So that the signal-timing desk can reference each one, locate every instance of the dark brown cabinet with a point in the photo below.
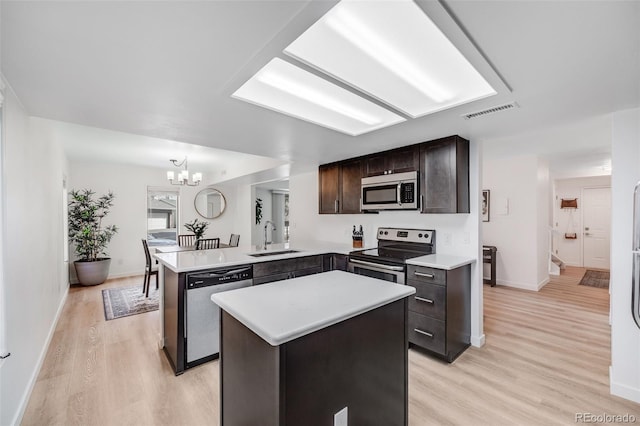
(329, 188)
(339, 187)
(440, 310)
(335, 262)
(277, 270)
(399, 160)
(444, 175)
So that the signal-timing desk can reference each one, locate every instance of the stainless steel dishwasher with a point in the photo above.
(202, 316)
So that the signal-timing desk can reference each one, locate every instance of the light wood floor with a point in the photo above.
(546, 359)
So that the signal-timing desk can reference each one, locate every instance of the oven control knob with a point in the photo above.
(380, 232)
(419, 235)
(386, 233)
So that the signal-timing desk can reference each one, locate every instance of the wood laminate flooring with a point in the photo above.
(546, 358)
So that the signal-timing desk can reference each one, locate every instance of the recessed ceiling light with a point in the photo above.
(283, 87)
(392, 51)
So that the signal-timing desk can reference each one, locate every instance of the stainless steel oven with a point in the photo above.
(397, 191)
(395, 246)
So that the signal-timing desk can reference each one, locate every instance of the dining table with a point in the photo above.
(177, 248)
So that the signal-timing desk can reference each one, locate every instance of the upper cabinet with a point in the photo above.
(405, 159)
(339, 190)
(444, 175)
(329, 188)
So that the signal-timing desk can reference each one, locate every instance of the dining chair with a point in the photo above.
(148, 270)
(207, 243)
(186, 240)
(234, 240)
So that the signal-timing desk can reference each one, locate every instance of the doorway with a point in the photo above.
(596, 221)
(271, 201)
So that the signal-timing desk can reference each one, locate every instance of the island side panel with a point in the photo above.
(173, 315)
(458, 311)
(360, 363)
(250, 377)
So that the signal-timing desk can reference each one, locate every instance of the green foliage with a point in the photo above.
(198, 228)
(85, 224)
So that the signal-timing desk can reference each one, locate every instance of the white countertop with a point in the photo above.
(286, 310)
(194, 260)
(441, 261)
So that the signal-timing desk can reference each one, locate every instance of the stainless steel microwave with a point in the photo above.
(396, 191)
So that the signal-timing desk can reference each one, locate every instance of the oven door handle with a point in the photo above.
(377, 265)
(399, 194)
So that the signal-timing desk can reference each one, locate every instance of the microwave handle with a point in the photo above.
(399, 194)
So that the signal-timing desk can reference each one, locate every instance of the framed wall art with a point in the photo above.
(485, 205)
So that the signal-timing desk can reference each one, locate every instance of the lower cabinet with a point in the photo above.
(440, 310)
(277, 270)
(335, 262)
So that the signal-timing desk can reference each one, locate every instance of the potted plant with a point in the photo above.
(197, 227)
(88, 235)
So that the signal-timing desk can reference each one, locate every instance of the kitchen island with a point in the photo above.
(314, 350)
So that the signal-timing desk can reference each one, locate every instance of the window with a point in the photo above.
(162, 217)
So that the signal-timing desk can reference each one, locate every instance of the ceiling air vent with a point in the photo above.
(491, 110)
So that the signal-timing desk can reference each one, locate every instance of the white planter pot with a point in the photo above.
(92, 273)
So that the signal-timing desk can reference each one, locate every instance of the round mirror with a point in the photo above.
(210, 203)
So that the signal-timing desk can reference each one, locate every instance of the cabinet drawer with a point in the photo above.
(426, 275)
(429, 299)
(427, 332)
(287, 265)
(304, 272)
(271, 278)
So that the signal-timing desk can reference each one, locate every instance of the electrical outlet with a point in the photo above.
(341, 418)
(466, 237)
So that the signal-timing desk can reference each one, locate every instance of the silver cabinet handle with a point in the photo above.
(376, 265)
(421, 198)
(422, 299)
(421, 274)
(426, 333)
(335, 206)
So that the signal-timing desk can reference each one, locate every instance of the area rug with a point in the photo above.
(598, 279)
(125, 301)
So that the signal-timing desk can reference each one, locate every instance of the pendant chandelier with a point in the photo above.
(183, 175)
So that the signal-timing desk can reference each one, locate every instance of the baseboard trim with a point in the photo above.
(624, 391)
(522, 286)
(478, 341)
(113, 277)
(543, 283)
(34, 376)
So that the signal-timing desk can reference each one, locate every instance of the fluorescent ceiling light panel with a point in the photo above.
(283, 87)
(392, 51)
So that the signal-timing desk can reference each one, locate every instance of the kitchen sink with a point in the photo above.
(273, 253)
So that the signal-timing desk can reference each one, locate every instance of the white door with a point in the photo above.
(596, 221)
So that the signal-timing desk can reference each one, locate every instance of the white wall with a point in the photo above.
(34, 272)
(519, 217)
(625, 335)
(543, 221)
(129, 184)
(570, 251)
(456, 234)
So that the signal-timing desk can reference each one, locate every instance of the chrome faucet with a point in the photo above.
(273, 228)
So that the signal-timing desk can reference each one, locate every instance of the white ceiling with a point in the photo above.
(167, 69)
